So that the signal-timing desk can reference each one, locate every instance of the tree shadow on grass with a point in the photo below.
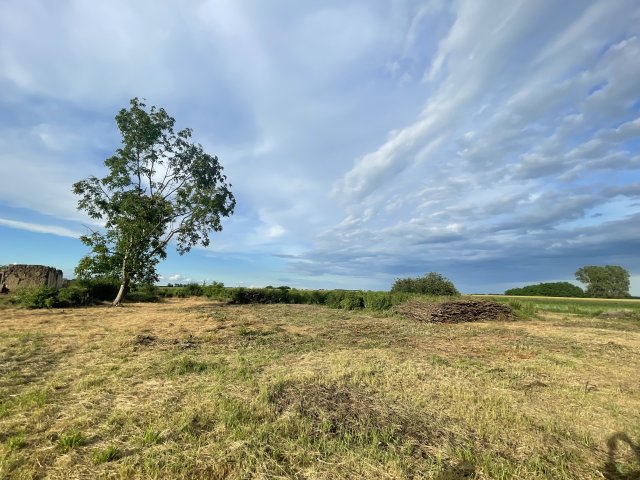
(612, 469)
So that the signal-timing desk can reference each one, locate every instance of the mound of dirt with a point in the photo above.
(455, 311)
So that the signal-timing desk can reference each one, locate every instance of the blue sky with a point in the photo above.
(496, 142)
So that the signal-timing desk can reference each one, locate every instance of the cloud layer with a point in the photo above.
(497, 142)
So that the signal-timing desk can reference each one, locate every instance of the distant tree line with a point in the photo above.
(609, 281)
(553, 289)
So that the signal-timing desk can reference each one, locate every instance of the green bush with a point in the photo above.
(377, 301)
(73, 296)
(42, 297)
(100, 289)
(352, 301)
(193, 290)
(553, 289)
(215, 291)
(431, 284)
(143, 293)
(242, 295)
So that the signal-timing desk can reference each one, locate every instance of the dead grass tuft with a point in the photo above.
(341, 410)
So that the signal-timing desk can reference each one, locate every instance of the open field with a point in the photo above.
(590, 307)
(190, 388)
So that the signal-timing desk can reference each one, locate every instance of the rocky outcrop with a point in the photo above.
(16, 277)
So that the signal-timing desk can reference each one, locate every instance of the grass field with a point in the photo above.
(189, 388)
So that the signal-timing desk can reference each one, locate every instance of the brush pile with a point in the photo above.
(455, 311)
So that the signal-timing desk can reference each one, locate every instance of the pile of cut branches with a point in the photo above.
(455, 311)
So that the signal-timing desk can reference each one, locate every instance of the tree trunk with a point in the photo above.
(124, 286)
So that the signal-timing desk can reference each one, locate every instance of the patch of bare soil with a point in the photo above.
(455, 311)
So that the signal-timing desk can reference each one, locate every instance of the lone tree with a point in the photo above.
(431, 284)
(160, 186)
(610, 281)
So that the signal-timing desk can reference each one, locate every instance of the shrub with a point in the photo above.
(377, 301)
(431, 284)
(242, 295)
(42, 297)
(100, 289)
(553, 289)
(193, 290)
(144, 293)
(352, 301)
(73, 296)
(344, 299)
(215, 291)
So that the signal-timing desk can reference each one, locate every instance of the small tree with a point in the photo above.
(431, 284)
(159, 186)
(610, 281)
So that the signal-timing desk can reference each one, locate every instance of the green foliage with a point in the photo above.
(343, 299)
(551, 289)
(107, 454)
(352, 301)
(73, 296)
(100, 288)
(431, 284)
(215, 291)
(70, 440)
(610, 281)
(144, 293)
(42, 297)
(159, 186)
(186, 365)
(191, 290)
(243, 295)
(151, 436)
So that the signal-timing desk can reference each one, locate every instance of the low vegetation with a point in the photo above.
(552, 289)
(431, 284)
(194, 388)
(88, 292)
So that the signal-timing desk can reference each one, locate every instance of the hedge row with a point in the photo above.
(345, 299)
(83, 293)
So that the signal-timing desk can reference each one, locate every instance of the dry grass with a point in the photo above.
(194, 389)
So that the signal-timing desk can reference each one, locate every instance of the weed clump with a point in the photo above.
(107, 454)
(70, 440)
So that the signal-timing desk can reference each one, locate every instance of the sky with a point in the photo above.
(496, 142)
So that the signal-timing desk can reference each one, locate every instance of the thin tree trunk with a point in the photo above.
(124, 285)
(121, 292)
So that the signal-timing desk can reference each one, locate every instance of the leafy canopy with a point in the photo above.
(609, 281)
(159, 186)
(431, 284)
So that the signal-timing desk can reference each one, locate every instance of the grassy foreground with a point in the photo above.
(193, 389)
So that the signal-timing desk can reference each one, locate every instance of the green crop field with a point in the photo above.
(191, 388)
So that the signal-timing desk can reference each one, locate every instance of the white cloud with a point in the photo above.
(179, 278)
(34, 227)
